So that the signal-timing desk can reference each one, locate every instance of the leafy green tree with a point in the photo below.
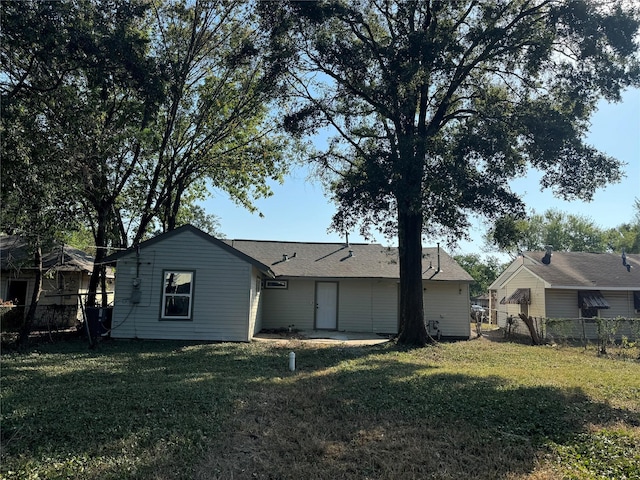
(626, 236)
(214, 123)
(81, 69)
(38, 192)
(192, 213)
(484, 272)
(562, 231)
(141, 101)
(36, 195)
(436, 105)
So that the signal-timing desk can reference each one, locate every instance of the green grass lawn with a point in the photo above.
(165, 410)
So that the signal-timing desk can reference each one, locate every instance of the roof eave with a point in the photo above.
(628, 288)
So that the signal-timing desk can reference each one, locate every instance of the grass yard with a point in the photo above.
(172, 410)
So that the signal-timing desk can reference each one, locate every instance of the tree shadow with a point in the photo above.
(235, 408)
(409, 422)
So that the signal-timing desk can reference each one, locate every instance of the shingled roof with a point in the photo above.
(338, 260)
(585, 270)
(14, 256)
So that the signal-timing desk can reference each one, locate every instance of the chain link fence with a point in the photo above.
(620, 332)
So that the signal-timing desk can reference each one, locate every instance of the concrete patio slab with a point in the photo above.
(327, 337)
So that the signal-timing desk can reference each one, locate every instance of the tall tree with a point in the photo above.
(81, 69)
(145, 99)
(214, 123)
(437, 104)
(36, 194)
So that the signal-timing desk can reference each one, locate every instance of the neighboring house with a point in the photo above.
(66, 275)
(482, 300)
(185, 284)
(567, 285)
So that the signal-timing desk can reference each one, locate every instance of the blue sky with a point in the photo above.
(300, 211)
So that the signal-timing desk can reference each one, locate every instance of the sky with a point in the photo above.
(299, 210)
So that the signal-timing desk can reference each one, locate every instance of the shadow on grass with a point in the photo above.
(185, 410)
(399, 420)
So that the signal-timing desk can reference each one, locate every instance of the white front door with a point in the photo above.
(327, 305)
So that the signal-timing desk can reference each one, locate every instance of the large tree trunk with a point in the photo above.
(413, 330)
(101, 244)
(25, 330)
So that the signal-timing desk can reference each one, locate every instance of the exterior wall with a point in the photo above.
(220, 309)
(294, 305)
(385, 300)
(364, 305)
(537, 307)
(368, 305)
(564, 304)
(448, 304)
(255, 299)
(621, 304)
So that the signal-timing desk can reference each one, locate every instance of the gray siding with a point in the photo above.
(563, 304)
(384, 300)
(220, 295)
(621, 304)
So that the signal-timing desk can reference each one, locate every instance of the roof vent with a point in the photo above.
(624, 261)
(548, 253)
(350, 253)
(285, 257)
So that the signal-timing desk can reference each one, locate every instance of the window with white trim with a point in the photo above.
(177, 295)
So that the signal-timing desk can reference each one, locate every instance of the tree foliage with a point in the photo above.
(627, 235)
(483, 271)
(436, 105)
(143, 103)
(214, 123)
(564, 232)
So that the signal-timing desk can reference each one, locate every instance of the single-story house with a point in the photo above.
(66, 275)
(186, 284)
(567, 285)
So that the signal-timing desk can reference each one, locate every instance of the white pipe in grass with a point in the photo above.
(292, 361)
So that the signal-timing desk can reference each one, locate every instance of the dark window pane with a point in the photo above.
(176, 306)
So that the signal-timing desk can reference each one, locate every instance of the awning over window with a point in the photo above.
(636, 300)
(592, 299)
(521, 295)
